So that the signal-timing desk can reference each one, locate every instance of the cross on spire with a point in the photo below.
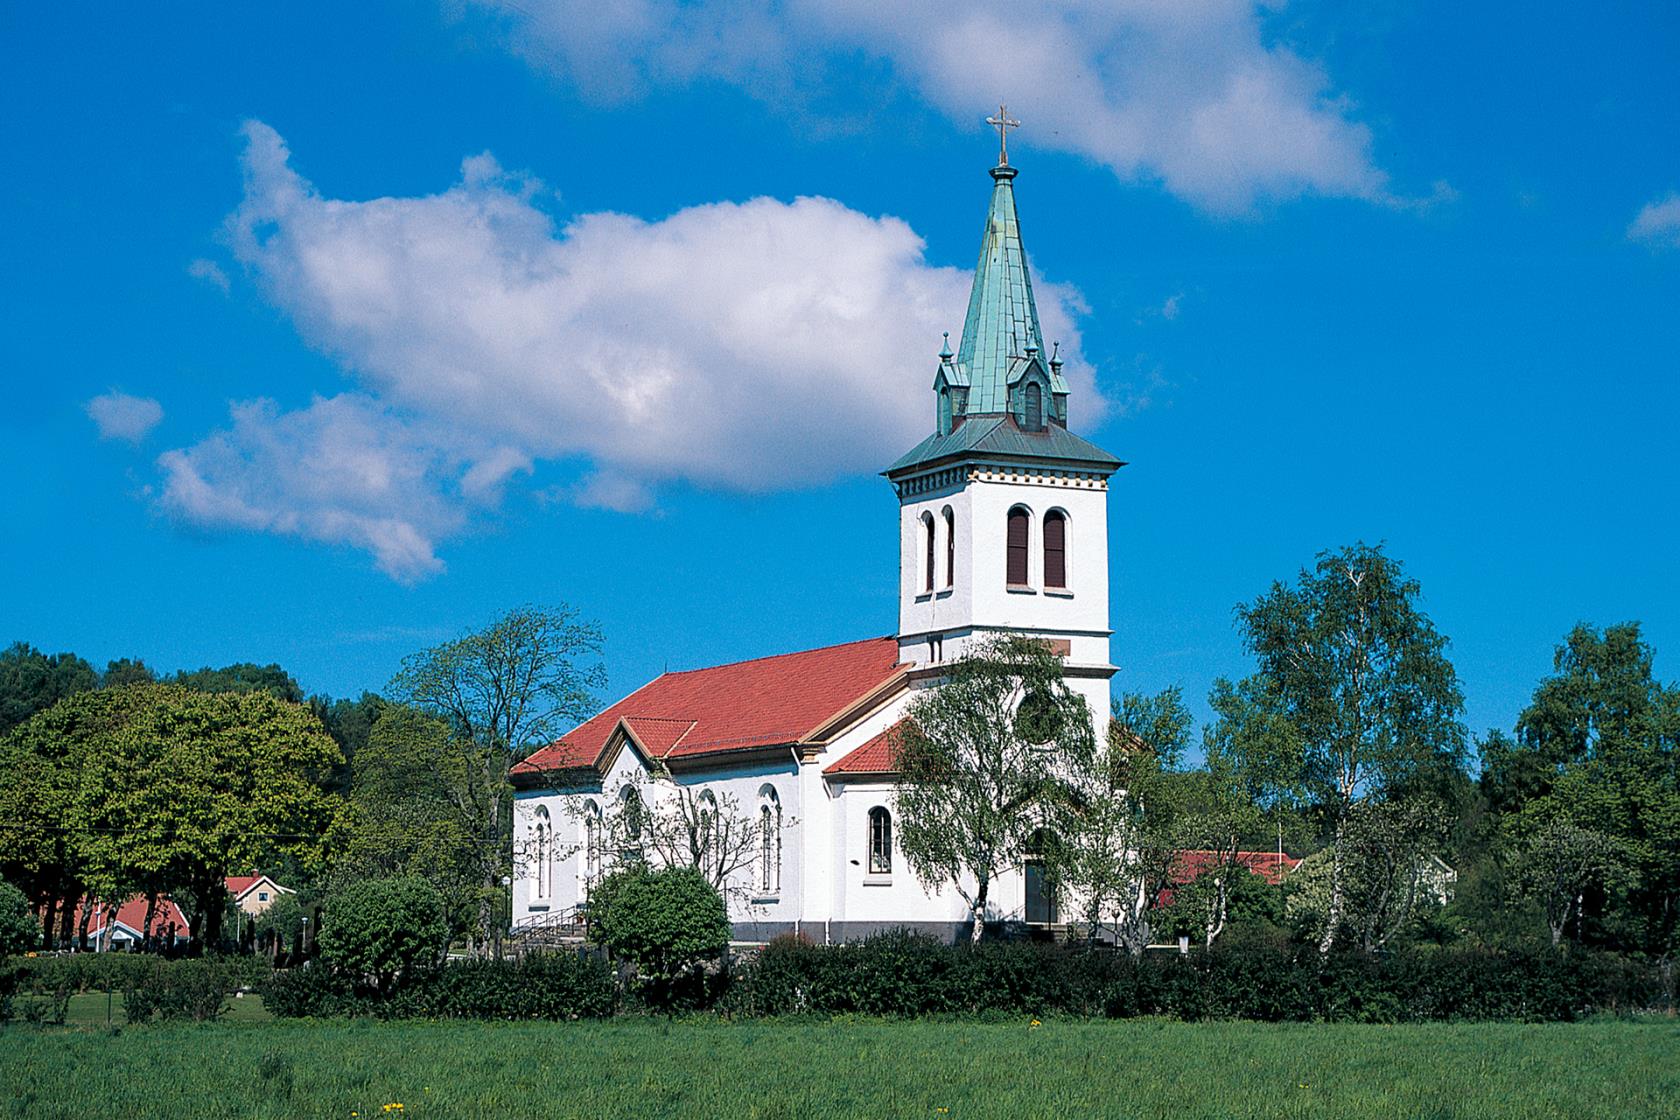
(1002, 122)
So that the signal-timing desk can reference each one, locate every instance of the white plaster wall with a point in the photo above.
(980, 599)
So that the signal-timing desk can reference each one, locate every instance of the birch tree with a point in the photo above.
(1360, 675)
(981, 760)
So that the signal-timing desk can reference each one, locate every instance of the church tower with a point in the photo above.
(1003, 512)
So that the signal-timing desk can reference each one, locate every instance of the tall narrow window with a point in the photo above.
(927, 552)
(950, 548)
(1055, 549)
(1035, 407)
(880, 841)
(542, 838)
(1017, 567)
(591, 843)
(769, 840)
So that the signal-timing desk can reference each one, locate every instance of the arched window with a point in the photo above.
(1035, 407)
(542, 842)
(880, 841)
(927, 552)
(1017, 564)
(1055, 549)
(950, 548)
(591, 842)
(632, 816)
(769, 841)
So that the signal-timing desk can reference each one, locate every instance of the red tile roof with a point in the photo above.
(769, 701)
(873, 757)
(132, 914)
(239, 884)
(1193, 863)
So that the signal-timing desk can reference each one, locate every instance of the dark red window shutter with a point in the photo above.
(1055, 550)
(1017, 569)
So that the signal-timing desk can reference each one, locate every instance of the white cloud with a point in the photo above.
(749, 346)
(120, 416)
(344, 470)
(210, 272)
(1658, 223)
(1190, 93)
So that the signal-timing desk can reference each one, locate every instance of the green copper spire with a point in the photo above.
(1002, 322)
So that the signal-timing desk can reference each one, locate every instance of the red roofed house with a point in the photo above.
(254, 893)
(1003, 527)
(127, 927)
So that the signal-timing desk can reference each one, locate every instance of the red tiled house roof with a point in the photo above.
(776, 701)
(1191, 864)
(132, 913)
(873, 757)
(239, 884)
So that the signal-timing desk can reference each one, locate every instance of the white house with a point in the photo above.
(1003, 527)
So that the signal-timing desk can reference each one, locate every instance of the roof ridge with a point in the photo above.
(774, 656)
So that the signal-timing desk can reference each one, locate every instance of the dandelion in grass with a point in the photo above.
(1035, 1023)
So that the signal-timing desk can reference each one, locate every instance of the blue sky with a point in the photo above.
(332, 330)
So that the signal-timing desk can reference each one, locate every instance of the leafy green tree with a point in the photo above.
(384, 931)
(503, 690)
(243, 676)
(125, 671)
(1120, 821)
(667, 921)
(280, 924)
(410, 812)
(31, 681)
(1597, 748)
(982, 760)
(18, 931)
(350, 723)
(179, 788)
(1559, 863)
(1354, 697)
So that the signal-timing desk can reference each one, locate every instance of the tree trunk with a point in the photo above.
(1333, 919)
(49, 923)
(67, 918)
(151, 915)
(977, 915)
(82, 928)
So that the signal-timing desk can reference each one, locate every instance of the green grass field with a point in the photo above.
(940, 1070)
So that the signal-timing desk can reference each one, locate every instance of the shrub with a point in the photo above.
(380, 931)
(18, 929)
(547, 986)
(171, 990)
(116, 972)
(905, 974)
(665, 922)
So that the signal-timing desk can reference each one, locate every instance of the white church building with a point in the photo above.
(1003, 527)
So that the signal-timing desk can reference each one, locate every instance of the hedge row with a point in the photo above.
(905, 975)
(117, 972)
(549, 986)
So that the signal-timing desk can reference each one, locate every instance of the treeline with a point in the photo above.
(127, 783)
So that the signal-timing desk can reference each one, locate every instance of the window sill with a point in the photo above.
(1020, 589)
(766, 900)
(878, 881)
(1059, 592)
(537, 906)
(945, 594)
(924, 596)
